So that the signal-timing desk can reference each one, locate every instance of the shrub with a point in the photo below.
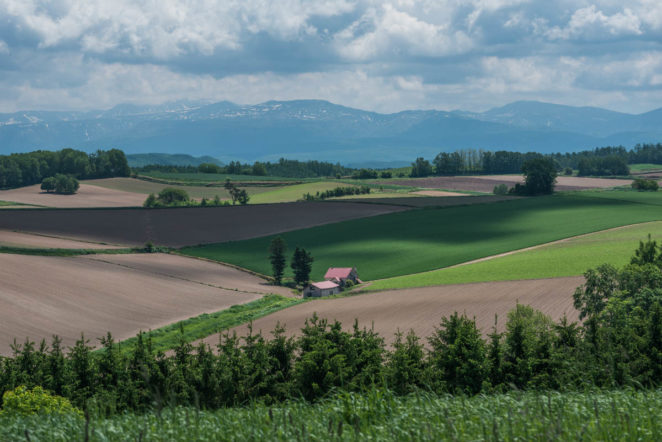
(643, 184)
(150, 201)
(567, 171)
(209, 168)
(66, 184)
(170, 196)
(21, 401)
(48, 184)
(500, 189)
(386, 174)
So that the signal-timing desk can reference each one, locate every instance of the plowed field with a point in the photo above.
(185, 226)
(42, 296)
(87, 196)
(27, 240)
(421, 309)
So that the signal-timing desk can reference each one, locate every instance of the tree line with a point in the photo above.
(24, 169)
(618, 344)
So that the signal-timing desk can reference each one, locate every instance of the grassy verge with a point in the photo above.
(67, 252)
(567, 258)
(168, 337)
(422, 240)
(376, 415)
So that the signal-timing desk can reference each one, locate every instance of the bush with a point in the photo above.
(500, 189)
(48, 184)
(567, 171)
(385, 174)
(172, 196)
(21, 401)
(642, 184)
(65, 184)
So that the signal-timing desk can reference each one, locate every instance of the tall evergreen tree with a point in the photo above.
(302, 264)
(277, 258)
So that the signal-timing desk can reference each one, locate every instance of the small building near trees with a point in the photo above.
(340, 275)
(319, 289)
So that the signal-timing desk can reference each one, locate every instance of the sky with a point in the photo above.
(384, 56)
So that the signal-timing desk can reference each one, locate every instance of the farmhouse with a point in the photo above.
(340, 275)
(324, 288)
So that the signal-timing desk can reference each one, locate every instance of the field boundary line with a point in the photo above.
(500, 255)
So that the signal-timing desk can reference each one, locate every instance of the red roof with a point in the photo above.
(338, 272)
(324, 285)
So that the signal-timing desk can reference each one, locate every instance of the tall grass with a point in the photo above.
(377, 415)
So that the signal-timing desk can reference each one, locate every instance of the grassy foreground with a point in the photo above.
(567, 258)
(377, 415)
(421, 240)
(168, 337)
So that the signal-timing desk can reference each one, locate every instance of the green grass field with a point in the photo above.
(421, 240)
(168, 337)
(292, 193)
(567, 258)
(644, 167)
(376, 415)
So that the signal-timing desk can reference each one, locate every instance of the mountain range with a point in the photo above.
(315, 129)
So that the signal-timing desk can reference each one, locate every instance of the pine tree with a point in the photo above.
(277, 250)
(302, 263)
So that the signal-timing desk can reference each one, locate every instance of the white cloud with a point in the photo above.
(590, 23)
(4, 49)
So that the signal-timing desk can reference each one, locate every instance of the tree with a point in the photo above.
(302, 263)
(420, 168)
(66, 184)
(171, 195)
(48, 184)
(237, 194)
(277, 250)
(539, 175)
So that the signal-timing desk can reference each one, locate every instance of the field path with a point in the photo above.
(41, 296)
(421, 309)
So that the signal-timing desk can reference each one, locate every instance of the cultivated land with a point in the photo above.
(563, 258)
(28, 240)
(432, 201)
(99, 294)
(421, 309)
(294, 192)
(420, 240)
(87, 196)
(486, 183)
(144, 188)
(186, 226)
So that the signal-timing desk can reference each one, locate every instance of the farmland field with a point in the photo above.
(421, 309)
(421, 240)
(565, 258)
(87, 196)
(292, 193)
(377, 415)
(122, 295)
(27, 240)
(486, 183)
(216, 177)
(179, 227)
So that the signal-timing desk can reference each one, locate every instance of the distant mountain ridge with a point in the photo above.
(317, 129)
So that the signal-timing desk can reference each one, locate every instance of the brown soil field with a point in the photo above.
(74, 295)
(421, 309)
(87, 196)
(29, 240)
(146, 187)
(192, 269)
(185, 226)
(442, 201)
(486, 183)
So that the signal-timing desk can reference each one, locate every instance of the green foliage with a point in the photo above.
(301, 264)
(237, 194)
(643, 184)
(277, 249)
(209, 168)
(539, 176)
(386, 174)
(48, 184)
(500, 189)
(337, 192)
(433, 238)
(150, 201)
(22, 401)
(603, 166)
(24, 169)
(365, 174)
(420, 168)
(172, 196)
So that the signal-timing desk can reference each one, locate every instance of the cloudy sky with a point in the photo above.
(378, 55)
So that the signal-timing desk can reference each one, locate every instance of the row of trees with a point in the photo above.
(337, 192)
(619, 343)
(301, 264)
(24, 169)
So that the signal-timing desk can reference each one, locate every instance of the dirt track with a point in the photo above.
(87, 196)
(186, 226)
(27, 240)
(486, 183)
(84, 294)
(421, 309)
